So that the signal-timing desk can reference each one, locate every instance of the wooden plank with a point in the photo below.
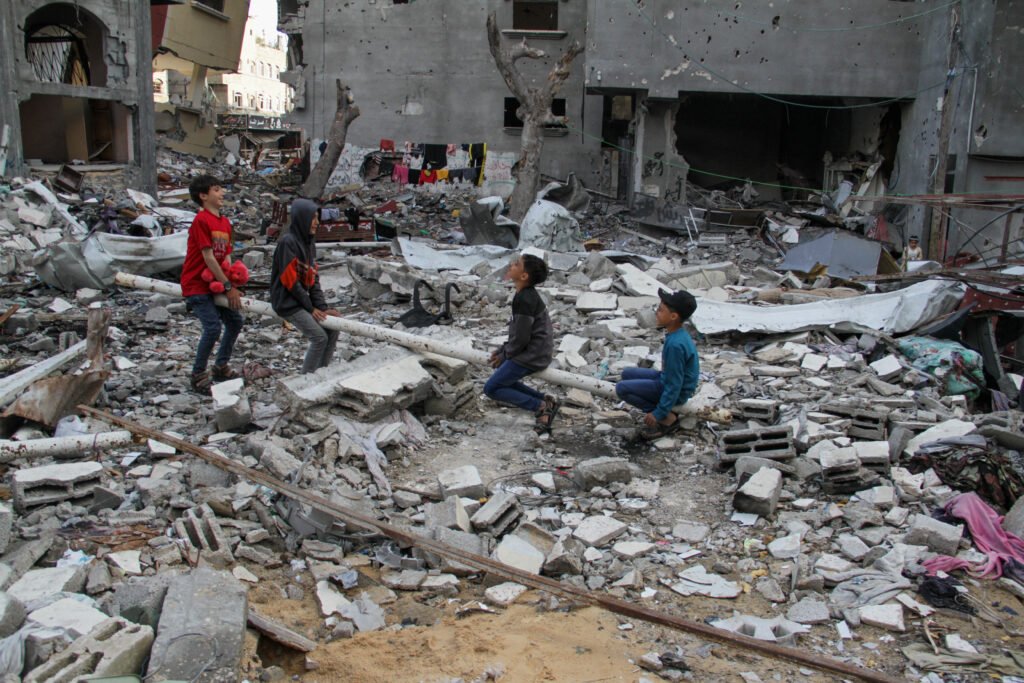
(280, 633)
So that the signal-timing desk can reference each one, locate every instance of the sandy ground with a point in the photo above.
(530, 642)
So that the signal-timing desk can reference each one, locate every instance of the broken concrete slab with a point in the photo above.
(597, 530)
(697, 580)
(504, 594)
(601, 472)
(231, 405)
(888, 616)
(114, 647)
(12, 614)
(462, 481)
(42, 583)
(76, 618)
(938, 536)
(943, 430)
(518, 553)
(204, 601)
(760, 495)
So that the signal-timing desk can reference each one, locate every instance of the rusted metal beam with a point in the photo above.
(486, 564)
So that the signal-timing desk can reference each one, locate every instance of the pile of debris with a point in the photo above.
(812, 515)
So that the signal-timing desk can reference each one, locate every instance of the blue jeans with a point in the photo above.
(504, 386)
(640, 387)
(214, 318)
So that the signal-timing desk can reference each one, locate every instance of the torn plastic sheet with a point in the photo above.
(94, 261)
(550, 226)
(423, 256)
(893, 312)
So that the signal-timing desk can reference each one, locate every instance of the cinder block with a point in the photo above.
(497, 514)
(763, 410)
(50, 484)
(203, 537)
(866, 423)
(773, 443)
(212, 603)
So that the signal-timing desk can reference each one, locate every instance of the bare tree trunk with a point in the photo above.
(534, 109)
(346, 113)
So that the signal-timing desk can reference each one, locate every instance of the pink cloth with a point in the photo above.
(400, 174)
(989, 537)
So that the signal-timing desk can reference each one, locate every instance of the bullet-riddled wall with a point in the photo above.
(422, 72)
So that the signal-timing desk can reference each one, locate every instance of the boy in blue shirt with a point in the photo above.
(654, 392)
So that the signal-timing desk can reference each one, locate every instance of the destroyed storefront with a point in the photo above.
(78, 79)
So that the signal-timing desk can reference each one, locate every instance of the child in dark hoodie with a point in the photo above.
(295, 292)
(529, 348)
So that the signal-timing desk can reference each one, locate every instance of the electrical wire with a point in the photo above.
(862, 27)
(780, 100)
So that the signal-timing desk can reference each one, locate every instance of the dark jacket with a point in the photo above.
(294, 282)
(531, 340)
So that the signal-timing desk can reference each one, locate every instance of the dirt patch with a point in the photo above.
(525, 644)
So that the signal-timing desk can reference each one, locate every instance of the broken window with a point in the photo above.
(512, 105)
(65, 44)
(537, 15)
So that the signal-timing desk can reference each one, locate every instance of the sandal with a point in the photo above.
(548, 409)
(660, 430)
(221, 373)
(200, 383)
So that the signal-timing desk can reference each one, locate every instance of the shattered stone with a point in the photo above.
(601, 472)
(809, 611)
(597, 530)
(504, 594)
(938, 536)
(760, 495)
(462, 481)
(888, 616)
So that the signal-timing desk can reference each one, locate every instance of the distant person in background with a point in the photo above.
(911, 253)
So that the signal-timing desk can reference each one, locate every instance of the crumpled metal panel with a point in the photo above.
(843, 253)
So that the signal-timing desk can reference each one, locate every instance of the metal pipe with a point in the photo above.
(491, 566)
(418, 343)
(62, 446)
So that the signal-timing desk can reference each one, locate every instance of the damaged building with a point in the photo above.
(193, 42)
(675, 95)
(76, 78)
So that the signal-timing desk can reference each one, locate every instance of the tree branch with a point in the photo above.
(505, 62)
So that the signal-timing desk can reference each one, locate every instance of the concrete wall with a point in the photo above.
(422, 72)
(118, 35)
(670, 46)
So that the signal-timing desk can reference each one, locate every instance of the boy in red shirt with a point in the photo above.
(209, 244)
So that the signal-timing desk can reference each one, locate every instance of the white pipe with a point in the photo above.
(62, 446)
(414, 342)
(13, 385)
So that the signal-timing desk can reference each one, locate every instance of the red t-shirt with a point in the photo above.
(207, 232)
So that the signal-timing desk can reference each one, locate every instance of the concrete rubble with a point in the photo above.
(823, 468)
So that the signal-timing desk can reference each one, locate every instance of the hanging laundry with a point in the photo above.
(400, 174)
(450, 150)
(435, 156)
(442, 175)
(414, 176)
(387, 145)
(427, 177)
